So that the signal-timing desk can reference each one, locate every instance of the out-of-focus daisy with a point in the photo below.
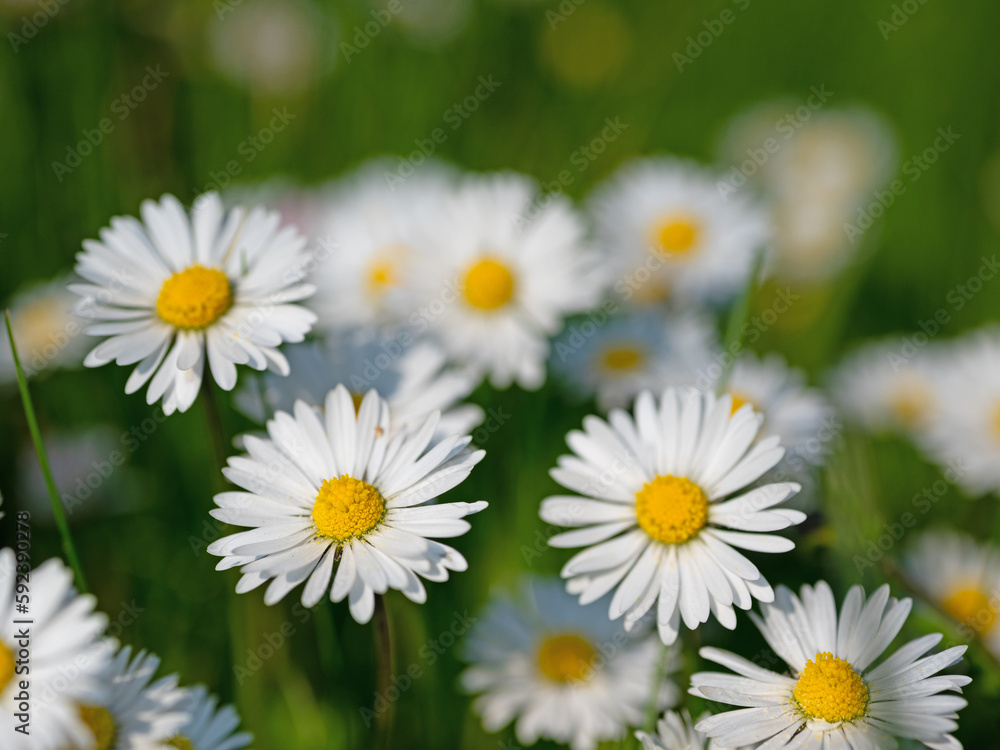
(171, 288)
(561, 671)
(208, 727)
(834, 697)
(428, 22)
(668, 232)
(962, 577)
(965, 429)
(675, 731)
(634, 352)
(502, 266)
(415, 381)
(655, 517)
(136, 713)
(47, 333)
(341, 491)
(881, 390)
(366, 227)
(63, 632)
(588, 46)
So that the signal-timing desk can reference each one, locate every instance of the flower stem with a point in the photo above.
(43, 460)
(383, 651)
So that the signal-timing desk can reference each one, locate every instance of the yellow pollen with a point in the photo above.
(6, 666)
(194, 298)
(622, 358)
(381, 274)
(739, 400)
(671, 509)
(489, 285)
(677, 235)
(972, 608)
(102, 724)
(181, 743)
(566, 658)
(909, 403)
(831, 690)
(996, 421)
(357, 398)
(347, 508)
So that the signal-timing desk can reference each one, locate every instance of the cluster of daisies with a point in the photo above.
(373, 307)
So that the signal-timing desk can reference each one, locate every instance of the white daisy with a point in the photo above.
(675, 731)
(561, 671)
(171, 287)
(63, 654)
(962, 577)
(47, 333)
(657, 509)
(208, 727)
(366, 225)
(136, 713)
(882, 389)
(415, 381)
(502, 266)
(835, 698)
(634, 352)
(667, 231)
(342, 489)
(965, 429)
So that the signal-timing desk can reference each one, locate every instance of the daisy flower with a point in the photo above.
(634, 352)
(675, 731)
(415, 381)
(136, 713)
(965, 430)
(172, 287)
(47, 333)
(560, 671)
(368, 224)
(879, 389)
(208, 727)
(834, 698)
(660, 514)
(502, 268)
(63, 632)
(668, 232)
(962, 577)
(338, 490)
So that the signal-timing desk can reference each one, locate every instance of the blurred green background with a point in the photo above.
(562, 70)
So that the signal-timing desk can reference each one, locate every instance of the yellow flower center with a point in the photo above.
(381, 275)
(972, 608)
(671, 509)
(831, 690)
(622, 358)
(6, 666)
(34, 322)
(909, 403)
(181, 743)
(346, 508)
(996, 421)
(194, 298)
(566, 658)
(102, 724)
(739, 400)
(489, 285)
(357, 398)
(677, 235)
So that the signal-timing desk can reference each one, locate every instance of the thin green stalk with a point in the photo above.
(43, 460)
(653, 707)
(737, 322)
(383, 651)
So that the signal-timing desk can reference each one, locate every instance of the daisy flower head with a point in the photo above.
(64, 632)
(206, 726)
(619, 357)
(882, 390)
(965, 430)
(675, 731)
(962, 577)
(560, 671)
(47, 333)
(415, 380)
(834, 696)
(172, 288)
(336, 489)
(660, 509)
(501, 268)
(368, 223)
(668, 232)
